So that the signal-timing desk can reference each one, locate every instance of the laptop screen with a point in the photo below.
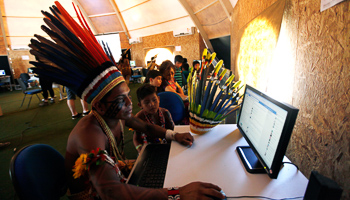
(2, 72)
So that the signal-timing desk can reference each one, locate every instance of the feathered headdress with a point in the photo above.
(74, 58)
(205, 110)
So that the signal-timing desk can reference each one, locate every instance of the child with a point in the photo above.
(151, 113)
(154, 78)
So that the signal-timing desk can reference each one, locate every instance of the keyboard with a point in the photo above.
(151, 168)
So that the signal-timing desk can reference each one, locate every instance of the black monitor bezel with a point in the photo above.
(287, 130)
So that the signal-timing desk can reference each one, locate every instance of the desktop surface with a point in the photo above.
(213, 158)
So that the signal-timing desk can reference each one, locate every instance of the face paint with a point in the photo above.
(115, 107)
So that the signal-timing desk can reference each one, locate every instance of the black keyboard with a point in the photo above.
(150, 170)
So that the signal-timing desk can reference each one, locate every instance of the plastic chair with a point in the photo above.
(173, 102)
(26, 78)
(136, 76)
(37, 172)
(29, 92)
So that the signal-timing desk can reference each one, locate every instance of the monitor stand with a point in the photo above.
(249, 160)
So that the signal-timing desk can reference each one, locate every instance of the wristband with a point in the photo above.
(138, 146)
(173, 193)
(170, 135)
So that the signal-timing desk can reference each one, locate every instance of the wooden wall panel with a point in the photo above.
(321, 44)
(322, 141)
(124, 42)
(2, 46)
(18, 65)
(190, 46)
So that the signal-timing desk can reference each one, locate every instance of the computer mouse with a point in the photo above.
(223, 193)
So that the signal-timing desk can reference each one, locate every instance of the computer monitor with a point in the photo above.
(30, 71)
(267, 125)
(132, 63)
(2, 72)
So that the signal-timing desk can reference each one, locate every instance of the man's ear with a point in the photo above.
(100, 107)
(139, 104)
(150, 80)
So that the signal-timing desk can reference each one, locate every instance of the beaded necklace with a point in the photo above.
(111, 139)
(149, 120)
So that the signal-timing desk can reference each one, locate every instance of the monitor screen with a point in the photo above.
(267, 125)
(132, 63)
(2, 72)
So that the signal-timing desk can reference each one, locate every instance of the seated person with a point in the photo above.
(95, 162)
(102, 131)
(167, 69)
(154, 78)
(151, 113)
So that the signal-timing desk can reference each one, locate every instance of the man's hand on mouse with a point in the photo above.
(200, 191)
(185, 139)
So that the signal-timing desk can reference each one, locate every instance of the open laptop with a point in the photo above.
(150, 167)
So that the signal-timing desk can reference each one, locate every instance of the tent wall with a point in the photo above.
(320, 58)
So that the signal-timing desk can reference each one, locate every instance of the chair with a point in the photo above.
(29, 92)
(136, 76)
(173, 102)
(37, 172)
(144, 71)
(25, 78)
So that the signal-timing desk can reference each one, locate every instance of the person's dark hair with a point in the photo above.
(178, 58)
(145, 90)
(166, 65)
(185, 66)
(184, 61)
(152, 74)
(195, 62)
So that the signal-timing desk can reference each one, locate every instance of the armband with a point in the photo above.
(83, 163)
(173, 193)
(170, 135)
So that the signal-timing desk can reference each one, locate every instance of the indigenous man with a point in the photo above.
(94, 163)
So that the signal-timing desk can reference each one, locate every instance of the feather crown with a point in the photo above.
(73, 57)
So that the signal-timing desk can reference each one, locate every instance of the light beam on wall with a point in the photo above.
(257, 45)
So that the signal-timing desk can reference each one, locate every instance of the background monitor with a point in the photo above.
(2, 72)
(132, 63)
(267, 125)
(30, 71)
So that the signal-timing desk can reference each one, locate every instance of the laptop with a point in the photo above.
(150, 167)
(2, 72)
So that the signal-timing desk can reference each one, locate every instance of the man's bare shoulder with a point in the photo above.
(86, 136)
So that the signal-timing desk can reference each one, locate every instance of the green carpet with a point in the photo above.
(47, 125)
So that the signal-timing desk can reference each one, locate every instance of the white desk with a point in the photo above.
(213, 158)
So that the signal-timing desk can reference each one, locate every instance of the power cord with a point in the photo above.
(261, 197)
(291, 164)
(30, 127)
